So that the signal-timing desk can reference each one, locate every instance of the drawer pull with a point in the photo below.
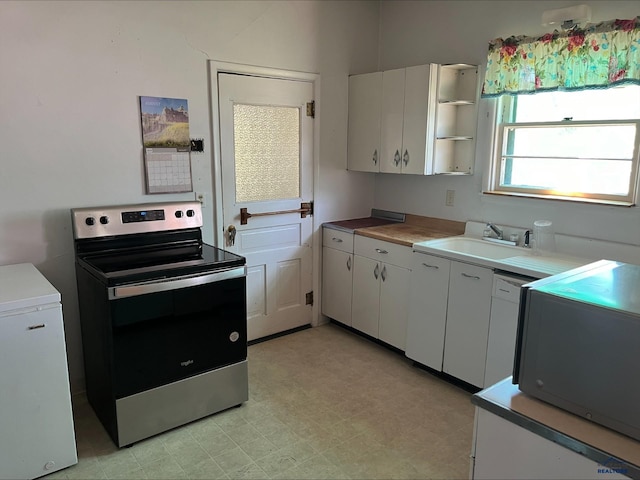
(474, 277)
(431, 266)
(383, 252)
(35, 327)
(338, 240)
(505, 291)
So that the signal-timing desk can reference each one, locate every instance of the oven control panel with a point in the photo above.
(131, 219)
(143, 216)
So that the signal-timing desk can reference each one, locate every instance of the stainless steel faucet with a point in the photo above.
(496, 230)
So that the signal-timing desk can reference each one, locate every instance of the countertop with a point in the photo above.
(594, 441)
(358, 223)
(416, 232)
(414, 229)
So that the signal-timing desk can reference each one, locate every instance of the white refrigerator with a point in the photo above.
(36, 421)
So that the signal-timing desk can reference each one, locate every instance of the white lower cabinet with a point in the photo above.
(337, 275)
(529, 455)
(428, 309)
(365, 313)
(381, 280)
(468, 314)
(394, 305)
(503, 328)
(449, 312)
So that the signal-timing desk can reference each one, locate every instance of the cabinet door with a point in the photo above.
(337, 280)
(394, 305)
(530, 454)
(392, 120)
(503, 329)
(428, 309)
(366, 295)
(365, 94)
(468, 311)
(418, 124)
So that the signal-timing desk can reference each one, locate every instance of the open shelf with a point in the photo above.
(456, 119)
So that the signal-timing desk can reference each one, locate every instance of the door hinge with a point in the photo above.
(309, 298)
(311, 109)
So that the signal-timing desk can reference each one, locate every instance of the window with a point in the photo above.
(267, 152)
(579, 145)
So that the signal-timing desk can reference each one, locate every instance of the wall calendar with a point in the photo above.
(167, 149)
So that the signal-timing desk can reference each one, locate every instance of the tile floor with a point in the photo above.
(324, 404)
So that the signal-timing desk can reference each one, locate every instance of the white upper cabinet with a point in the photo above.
(418, 127)
(418, 120)
(365, 96)
(407, 119)
(392, 119)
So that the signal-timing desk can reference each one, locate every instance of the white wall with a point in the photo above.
(414, 33)
(70, 77)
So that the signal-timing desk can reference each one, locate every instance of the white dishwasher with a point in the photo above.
(503, 326)
(36, 421)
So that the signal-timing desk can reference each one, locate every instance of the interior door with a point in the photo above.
(267, 168)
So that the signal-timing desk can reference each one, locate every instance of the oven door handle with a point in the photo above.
(174, 283)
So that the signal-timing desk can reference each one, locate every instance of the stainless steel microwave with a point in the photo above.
(578, 345)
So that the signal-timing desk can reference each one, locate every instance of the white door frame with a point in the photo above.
(216, 67)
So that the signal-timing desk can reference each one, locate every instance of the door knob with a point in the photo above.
(231, 235)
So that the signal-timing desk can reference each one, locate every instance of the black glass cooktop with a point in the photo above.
(166, 261)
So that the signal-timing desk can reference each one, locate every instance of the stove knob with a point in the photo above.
(104, 220)
(179, 214)
(190, 213)
(90, 221)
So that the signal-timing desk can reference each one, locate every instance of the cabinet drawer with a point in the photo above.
(337, 239)
(430, 263)
(387, 252)
(505, 289)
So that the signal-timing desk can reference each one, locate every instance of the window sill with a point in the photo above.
(560, 198)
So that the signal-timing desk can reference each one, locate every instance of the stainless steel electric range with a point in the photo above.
(163, 318)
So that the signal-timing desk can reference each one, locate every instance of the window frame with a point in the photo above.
(505, 113)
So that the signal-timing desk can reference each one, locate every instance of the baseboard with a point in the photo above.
(279, 334)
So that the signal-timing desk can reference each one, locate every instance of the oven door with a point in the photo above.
(169, 330)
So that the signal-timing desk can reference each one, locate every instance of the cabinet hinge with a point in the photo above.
(311, 109)
(309, 298)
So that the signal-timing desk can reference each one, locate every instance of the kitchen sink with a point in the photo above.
(477, 248)
(510, 258)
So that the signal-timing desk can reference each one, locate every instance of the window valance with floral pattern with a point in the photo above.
(598, 56)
